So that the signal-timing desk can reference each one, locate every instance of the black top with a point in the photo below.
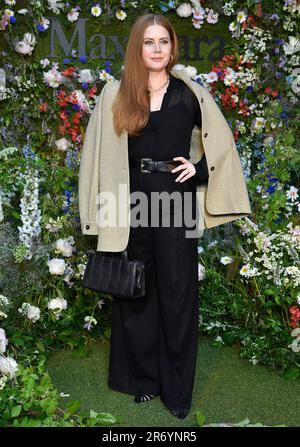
(167, 133)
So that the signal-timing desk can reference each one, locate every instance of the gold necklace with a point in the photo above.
(160, 88)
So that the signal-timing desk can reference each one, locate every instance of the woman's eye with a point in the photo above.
(148, 41)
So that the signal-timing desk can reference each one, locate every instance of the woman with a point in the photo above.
(154, 339)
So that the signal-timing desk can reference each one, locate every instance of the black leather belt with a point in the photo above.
(147, 165)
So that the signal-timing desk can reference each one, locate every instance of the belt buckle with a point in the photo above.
(142, 165)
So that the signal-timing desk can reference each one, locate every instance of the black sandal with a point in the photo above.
(181, 414)
(143, 397)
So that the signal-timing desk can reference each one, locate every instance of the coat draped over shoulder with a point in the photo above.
(104, 168)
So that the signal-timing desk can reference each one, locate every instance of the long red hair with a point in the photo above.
(131, 105)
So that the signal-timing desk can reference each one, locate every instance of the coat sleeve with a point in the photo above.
(88, 184)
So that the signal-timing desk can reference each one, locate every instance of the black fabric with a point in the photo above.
(167, 133)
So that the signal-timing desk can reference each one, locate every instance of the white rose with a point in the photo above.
(85, 76)
(33, 313)
(62, 144)
(8, 366)
(56, 266)
(23, 48)
(3, 340)
(184, 10)
(201, 272)
(29, 38)
(64, 247)
(57, 305)
(191, 71)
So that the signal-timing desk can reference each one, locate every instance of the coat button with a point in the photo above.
(205, 134)
(87, 227)
(212, 168)
(201, 99)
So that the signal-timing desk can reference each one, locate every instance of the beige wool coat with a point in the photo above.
(104, 165)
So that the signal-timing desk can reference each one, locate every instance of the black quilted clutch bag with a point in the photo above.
(115, 274)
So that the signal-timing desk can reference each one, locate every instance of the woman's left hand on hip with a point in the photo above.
(187, 168)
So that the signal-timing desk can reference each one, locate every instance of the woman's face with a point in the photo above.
(156, 44)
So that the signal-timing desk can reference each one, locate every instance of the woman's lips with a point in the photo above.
(157, 58)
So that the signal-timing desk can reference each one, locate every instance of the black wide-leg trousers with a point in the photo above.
(154, 339)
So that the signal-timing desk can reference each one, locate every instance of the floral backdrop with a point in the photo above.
(249, 280)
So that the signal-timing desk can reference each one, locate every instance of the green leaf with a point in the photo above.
(73, 406)
(292, 374)
(15, 412)
(200, 417)
(228, 338)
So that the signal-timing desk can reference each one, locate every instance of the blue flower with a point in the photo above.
(40, 27)
(83, 59)
(12, 19)
(284, 115)
(163, 7)
(249, 88)
(76, 107)
(271, 189)
(66, 61)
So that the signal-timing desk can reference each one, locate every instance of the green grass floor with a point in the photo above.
(227, 389)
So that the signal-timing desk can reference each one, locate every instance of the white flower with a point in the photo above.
(8, 366)
(9, 12)
(57, 305)
(212, 17)
(241, 16)
(184, 10)
(82, 100)
(211, 77)
(230, 76)
(259, 123)
(73, 15)
(55, 6)
(104, 76)
(30, 39)
(298, 299)
(292, 270)
(62, 144)
(100, 303)
(63, 247)
(85, 76)
(56, 266)
(53, 77)
(3, 340)
(33, 313)
(292, 193)
(45, 22)
(10, 2)
(44, 62)
(191, 71)
(3, 300)
(3, 381)
(201, 272)
(295, 332)
(291, 47)
(121, 15)
(247, 271)
(232, 27)
(23, 11)
(23, 48)
(295, 345)
(89, 322)
(226, 260)
(96, 11)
